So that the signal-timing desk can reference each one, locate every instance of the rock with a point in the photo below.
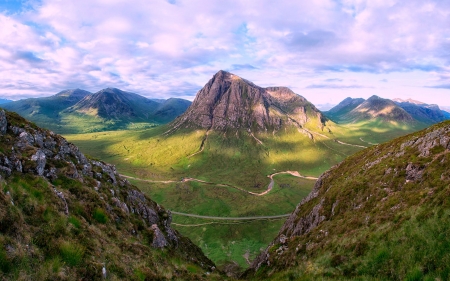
(110, 170)
(63, 199)
(414, 172)
(5, 170)
(40, 159)
(159, 241)
(138, 204)
(3, 122)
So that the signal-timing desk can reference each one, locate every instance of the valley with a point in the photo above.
(236, 163)
(236, 170)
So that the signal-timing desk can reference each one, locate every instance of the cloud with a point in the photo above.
(443, 86)
(172, 47)
(335, 86)
(241, 67)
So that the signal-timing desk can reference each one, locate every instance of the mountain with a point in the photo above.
(344, 107)
(114, 104)
(228, 102)
(78, 111)
(64, 216)
(396, 110)
(47, 108)
(399, 100)
(378, 108)
(2, 101)
(170, 108)
(381, 214)
(426, 113)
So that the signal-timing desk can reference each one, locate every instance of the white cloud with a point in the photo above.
(166, 48)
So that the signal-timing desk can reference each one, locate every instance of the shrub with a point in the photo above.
(71, 253)
(100, 216)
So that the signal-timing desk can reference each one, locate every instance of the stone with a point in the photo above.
(3, 122)
(159, 241)
(40, 159)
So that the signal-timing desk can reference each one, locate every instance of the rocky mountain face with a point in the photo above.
(382, 213)
(230, 102)
(67, 217)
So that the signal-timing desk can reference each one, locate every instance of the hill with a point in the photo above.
(77, 111)
(64, 216)
(382, 214)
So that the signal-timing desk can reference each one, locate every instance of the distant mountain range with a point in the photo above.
(2, 101)
(76, 111)
(396, 110)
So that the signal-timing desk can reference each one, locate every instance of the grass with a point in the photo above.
(382, 227)
(232, 158)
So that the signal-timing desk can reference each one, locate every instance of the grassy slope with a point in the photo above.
(238, 161)
(40, 242)
(386, 225)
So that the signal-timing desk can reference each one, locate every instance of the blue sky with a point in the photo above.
(325, 50)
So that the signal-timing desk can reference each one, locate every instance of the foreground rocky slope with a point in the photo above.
(381, 214)
(64, 216)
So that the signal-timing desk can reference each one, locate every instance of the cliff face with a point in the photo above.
(230, 102)
(65, 216)
(370, 216)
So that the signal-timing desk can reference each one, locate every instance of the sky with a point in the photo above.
(324, 50)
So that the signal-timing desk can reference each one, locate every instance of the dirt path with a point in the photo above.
(344, 143)
(202, 145)
(368, 142)
(230, 218)
(269, 187)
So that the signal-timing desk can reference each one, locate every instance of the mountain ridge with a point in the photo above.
(401, 110)
(107, 109)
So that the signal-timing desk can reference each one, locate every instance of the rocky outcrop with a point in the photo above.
(230, 102)
(29, 149)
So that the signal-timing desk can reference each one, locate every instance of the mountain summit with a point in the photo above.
(228, 101)
(112, 103)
